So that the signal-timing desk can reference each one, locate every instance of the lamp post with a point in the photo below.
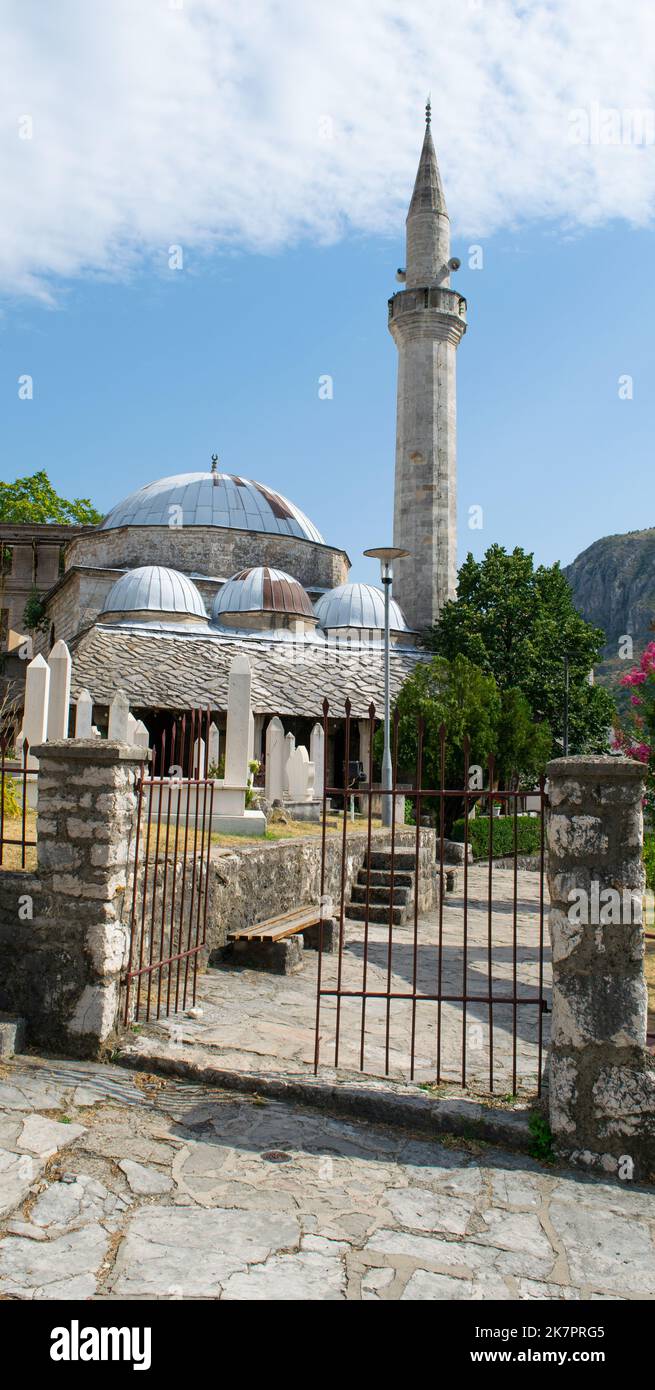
(565, 732)
(386, 554)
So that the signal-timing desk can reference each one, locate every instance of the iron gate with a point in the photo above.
(170, 881)
(452, 990)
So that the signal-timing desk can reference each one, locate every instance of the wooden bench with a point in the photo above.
(276, 944)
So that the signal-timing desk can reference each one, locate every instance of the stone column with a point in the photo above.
(601, 1077)
(85, 840)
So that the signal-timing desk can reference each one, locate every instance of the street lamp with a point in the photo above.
(386, 554)
(565, 732)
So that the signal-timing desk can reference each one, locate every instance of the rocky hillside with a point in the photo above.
(613, 584)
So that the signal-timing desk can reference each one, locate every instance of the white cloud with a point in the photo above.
(206, 125)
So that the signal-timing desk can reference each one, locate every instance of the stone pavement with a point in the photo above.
(255, 1021)
(114, 1185)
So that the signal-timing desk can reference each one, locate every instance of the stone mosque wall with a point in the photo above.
(210, 550)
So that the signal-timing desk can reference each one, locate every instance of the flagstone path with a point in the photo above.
(255, 1021)
(114, 1184)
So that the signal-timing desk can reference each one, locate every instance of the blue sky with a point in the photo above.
(140, 371)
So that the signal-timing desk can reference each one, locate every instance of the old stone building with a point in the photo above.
(31, 560)
(189, 570)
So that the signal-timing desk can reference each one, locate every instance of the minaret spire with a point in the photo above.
(428, 225)
(427, 320)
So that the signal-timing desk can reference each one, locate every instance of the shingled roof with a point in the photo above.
(159, 669)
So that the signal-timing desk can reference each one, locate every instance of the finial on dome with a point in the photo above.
(214, 463)
(428, 112)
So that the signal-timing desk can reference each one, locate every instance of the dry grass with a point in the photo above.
(294, 830)
(11, 856)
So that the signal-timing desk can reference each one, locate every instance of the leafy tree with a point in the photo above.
(34, 499)
(523, 745)
(466, 701)
(517, 622)
(34, 614)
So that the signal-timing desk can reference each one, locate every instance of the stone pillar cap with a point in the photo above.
(91, 750)
(597, 766)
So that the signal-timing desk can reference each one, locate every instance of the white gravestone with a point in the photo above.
(59, 662)
(214, 746)
(289, 750)
(317, 757)
(300, 773)
(141, 735)
(275, 755)
(199, 764)
(119, 711)
(238, 722)
(83, 715)
(37, 691)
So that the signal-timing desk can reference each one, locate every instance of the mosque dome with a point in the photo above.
(212, 499)
(262, 597)
(153, 591)
(357, 606)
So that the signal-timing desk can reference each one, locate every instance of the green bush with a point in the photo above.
(649, 858)
(528, 835)
(12, 806)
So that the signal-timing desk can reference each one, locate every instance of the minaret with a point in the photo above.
(427, 320)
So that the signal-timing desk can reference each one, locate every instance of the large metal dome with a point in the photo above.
(357, 606)
(212, 499)
(262, 590)
(154, 589)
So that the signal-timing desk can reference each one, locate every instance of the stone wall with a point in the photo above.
(262, 881)
(63, 940)
(601, 1076)
(75, 604)
(210, 550)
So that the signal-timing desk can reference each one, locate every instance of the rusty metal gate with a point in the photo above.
(432, 971)
(170, 879)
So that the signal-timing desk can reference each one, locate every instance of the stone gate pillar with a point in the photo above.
(601, 1077)
(85, 843)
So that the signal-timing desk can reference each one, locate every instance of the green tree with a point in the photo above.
(516, 622)
(35, 500)
(523, 745)
(34, 614)
(467, 702)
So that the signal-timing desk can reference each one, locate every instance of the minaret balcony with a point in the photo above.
(431, 297)
(433, 310)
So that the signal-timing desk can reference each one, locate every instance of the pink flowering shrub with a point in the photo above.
(636, 735)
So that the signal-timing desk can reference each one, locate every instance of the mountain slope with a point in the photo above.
(613, 584)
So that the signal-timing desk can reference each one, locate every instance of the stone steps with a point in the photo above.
(374, 880)
(377, 912)
(380, 878)
(401, 896)
(402, 859)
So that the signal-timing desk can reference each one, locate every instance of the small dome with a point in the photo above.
(157, 590)
(359, 606)
(212, 499)
(262, 590)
